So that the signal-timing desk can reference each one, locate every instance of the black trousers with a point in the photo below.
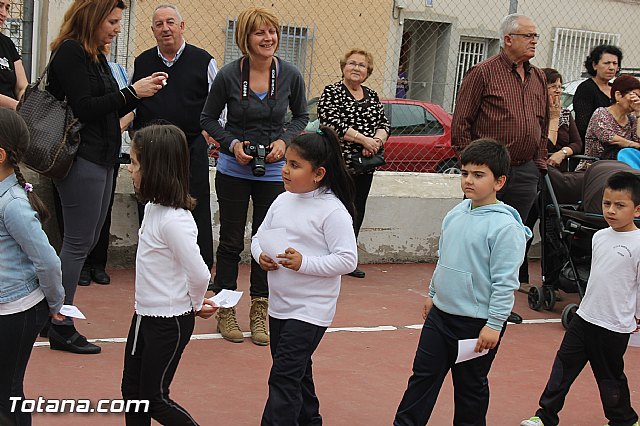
(604, 350)
(18, 332)
(98, 256)
(521, 188)
(233, 200)
(292, 395)
(200, 189)
(152, 353)
(436, 355)
(520, 192)
(530, 223)
(363, 187)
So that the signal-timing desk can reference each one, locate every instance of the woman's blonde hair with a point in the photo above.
(81, 22)
(250, 20)
(368, 56)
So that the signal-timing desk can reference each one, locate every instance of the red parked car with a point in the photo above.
(420, 139)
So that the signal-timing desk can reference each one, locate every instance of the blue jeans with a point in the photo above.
(18, 332)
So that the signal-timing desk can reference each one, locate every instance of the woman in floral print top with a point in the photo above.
(357, 115)
(616, 127)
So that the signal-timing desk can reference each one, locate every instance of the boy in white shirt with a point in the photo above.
(608, 314)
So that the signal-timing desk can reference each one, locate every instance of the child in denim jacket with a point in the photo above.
(30, 277)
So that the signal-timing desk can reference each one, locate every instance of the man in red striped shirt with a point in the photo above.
(505, 98)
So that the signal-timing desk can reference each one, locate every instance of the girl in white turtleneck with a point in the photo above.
(304, 282)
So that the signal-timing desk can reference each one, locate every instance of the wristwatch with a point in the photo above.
(565, 152)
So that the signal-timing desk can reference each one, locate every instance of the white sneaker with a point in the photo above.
(533, 421)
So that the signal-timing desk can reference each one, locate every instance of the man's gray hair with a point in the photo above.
(509, 24)
(164, 6)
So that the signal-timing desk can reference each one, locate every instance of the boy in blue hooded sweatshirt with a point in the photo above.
(471, 293)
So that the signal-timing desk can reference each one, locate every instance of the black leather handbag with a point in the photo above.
(54, 130)
(362, 164)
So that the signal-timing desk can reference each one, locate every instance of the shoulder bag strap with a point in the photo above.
(44, 73)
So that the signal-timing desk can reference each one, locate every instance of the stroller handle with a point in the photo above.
(554, 200)
(579, 157)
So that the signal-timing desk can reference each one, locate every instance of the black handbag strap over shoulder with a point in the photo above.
(46, 68)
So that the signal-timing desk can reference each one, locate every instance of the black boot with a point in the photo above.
(357, 273)
(514, 318)
(98, 275)
(85, 276)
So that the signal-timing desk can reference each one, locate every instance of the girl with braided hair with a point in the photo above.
(30, 277)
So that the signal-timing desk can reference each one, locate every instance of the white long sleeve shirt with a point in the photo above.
(320, 228)
(171, 277)
(613, 290)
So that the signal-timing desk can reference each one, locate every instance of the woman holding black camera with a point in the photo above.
(257, 89)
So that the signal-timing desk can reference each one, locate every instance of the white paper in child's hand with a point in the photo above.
(466, 350)
(227, 298)
(71, 311)
(273, 242)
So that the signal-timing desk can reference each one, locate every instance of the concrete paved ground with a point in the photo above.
(360, 373)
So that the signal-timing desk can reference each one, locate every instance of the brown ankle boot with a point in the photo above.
(258, 320)
(228, 325)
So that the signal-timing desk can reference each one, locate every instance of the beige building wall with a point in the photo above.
(464, 18)
(378, 26)
(336, 27)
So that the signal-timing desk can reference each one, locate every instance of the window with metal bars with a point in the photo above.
(470, 52)
(571, 47)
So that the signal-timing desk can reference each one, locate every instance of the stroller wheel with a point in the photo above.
(548, 298)
(568, 313)
(534, 298)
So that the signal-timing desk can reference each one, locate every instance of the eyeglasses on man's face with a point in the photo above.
(360, 65)
(528, 36)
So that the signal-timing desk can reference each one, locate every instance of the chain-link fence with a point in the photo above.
(14, 24)
(430, 44)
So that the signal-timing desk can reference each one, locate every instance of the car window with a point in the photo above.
(413, 120)
(312, 107)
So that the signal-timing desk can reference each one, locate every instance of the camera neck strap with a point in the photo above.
(245, 94)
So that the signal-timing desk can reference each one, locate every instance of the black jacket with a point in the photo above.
(95, 99)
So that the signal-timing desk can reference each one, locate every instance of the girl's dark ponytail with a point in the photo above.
(337, 176)
(34, 200)
(322, 149)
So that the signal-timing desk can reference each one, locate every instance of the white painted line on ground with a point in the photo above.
(214, 336)
(541, 321)
(363, 329)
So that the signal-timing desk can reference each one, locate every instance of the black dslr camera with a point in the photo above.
(258, 152)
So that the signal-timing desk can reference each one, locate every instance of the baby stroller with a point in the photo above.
(570, 213)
